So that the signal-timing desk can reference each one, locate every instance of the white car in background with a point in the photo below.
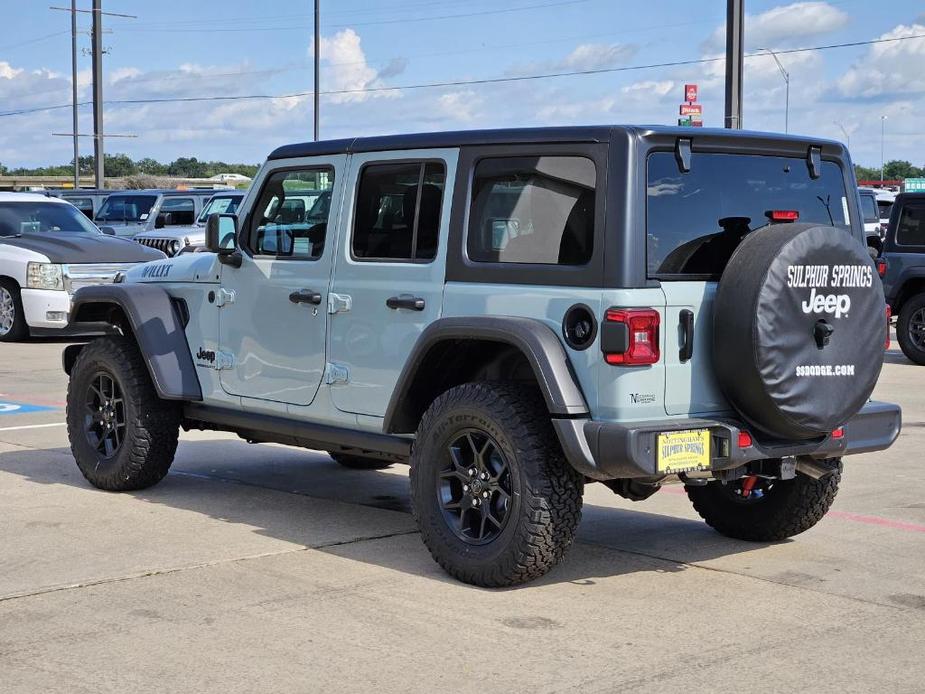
(872, 228)
(191, 238)
(48, 250)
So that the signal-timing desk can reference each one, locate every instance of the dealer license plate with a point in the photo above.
(683, 451)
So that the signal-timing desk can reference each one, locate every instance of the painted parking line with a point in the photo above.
(7, 407)
(33, 426)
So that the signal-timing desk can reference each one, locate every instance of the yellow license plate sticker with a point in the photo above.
(683, 451)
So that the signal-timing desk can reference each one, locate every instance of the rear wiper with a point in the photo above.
(827, 204)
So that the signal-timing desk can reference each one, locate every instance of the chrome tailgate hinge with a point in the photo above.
(339, 303)
(336, 373)
(224, 296)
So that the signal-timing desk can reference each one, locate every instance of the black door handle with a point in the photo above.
(414, 303)
(305, 296)
(686, 319)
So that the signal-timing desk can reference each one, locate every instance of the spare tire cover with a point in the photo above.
(798, 329)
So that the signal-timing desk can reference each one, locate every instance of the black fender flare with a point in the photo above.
(539, 344)
(908, 275)
(157, 328)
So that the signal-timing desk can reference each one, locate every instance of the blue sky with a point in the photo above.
(233, 47)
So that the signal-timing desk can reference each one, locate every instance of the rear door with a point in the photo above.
(695, 221)
(389, 272)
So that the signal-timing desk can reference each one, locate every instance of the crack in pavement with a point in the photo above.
(204, 565)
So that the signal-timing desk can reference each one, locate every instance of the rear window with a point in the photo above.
(885, 207)
(869, 208)
(696, 220)
(911, 228)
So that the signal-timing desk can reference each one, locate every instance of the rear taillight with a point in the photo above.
(629, 336)
(882, 267)
(745, 439)
(783, 215)
(889, 316)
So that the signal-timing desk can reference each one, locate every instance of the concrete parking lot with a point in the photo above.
(263, 568)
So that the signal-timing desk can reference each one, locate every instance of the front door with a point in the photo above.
(389, 272)
(273, 311)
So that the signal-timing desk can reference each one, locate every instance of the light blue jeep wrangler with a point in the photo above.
(515, 313)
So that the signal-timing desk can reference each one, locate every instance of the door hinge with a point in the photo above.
(224, 296)
(339, 303)
(223, 361)
(336, 373)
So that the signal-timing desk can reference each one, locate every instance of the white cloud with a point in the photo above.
(784, 25)
(7, 71)
(587, 56)
(348, 70)
(888, 68)
(461, 106)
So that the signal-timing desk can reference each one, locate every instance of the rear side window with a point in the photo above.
(537, 210)
(696, 220)
(911, 228)
(398, 212)
(282, 226)
(182, 211)
(85, 205)
(869, 208)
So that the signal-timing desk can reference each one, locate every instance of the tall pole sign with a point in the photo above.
(691, 112)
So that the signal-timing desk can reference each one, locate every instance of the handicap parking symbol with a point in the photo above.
(21, 408)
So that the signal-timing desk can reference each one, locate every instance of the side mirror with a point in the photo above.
(109, 231)
(221, 233)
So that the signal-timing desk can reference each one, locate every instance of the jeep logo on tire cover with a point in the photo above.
(817, 277)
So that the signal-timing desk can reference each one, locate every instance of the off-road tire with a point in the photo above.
(19, 330)
(545, 506)
(909, 309)
(358, 462)
(152, 425)
(790, 507)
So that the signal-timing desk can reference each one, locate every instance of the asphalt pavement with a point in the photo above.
(266, 568)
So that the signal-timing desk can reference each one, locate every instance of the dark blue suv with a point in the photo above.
(902, 266)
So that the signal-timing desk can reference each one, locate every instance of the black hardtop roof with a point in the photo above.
(909, 196)
(172, 191)
(546, 135)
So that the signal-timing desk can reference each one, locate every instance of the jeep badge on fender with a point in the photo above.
(515, 314)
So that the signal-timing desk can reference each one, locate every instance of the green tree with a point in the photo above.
(895, 169)
(187, 167)
(119, 165)
(864, 173)
(151, 167)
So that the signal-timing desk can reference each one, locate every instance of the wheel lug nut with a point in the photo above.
(465, 487)
(476, 502)
(471, 472)
(484, 495)
(483, 476)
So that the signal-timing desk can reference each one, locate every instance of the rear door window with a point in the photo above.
(696, 220)
(911, 228)
(182, 211)
(869, 209)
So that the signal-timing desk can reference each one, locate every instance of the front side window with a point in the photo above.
(283, 226)
(397, 215)
(219, 205)
(911, 228)
(533, 210)
(182, 211)
(17, 218)
(695, 220)
(126, 208)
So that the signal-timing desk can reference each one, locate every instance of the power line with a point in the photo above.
(35, 40)
(458, 83)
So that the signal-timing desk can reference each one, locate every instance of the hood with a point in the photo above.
(84, 248)
(201, 268)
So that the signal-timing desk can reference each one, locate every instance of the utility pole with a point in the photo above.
(844, 132)
(74, 125)
(97, 48)
(735, 30)
(317, 70)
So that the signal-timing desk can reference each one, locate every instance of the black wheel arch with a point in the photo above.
(147, 314)
(456, 350)
(911, 285)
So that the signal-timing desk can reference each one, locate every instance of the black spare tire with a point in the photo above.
(798, 329)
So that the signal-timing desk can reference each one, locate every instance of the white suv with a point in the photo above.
(48, 250)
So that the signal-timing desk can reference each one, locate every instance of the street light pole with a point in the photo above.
(786, 76)
(74, 92)
(735, 21)
(882, 137)
(317, 57)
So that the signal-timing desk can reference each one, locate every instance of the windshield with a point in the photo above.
(220, 205)
(126, 208)
(696, 220)
(869, 208)
(18, 218)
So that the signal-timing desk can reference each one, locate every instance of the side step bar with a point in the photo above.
(263, 428)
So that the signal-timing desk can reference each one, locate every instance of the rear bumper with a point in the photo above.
(609, 450)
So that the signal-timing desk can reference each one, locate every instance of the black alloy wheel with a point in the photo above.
(104, 415)
(474, 488)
